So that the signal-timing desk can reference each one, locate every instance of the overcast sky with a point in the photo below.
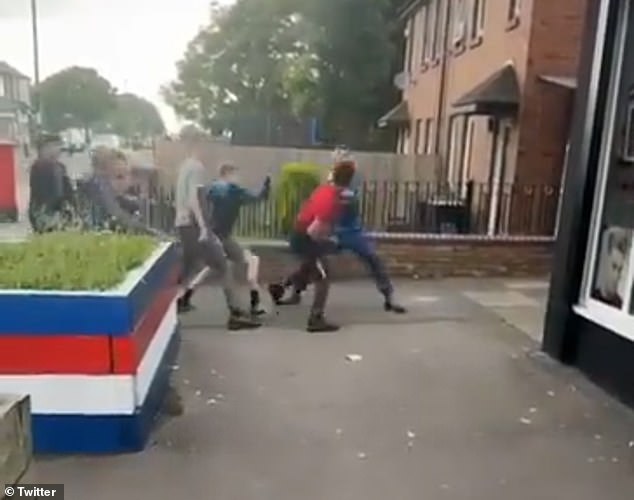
(133, 43)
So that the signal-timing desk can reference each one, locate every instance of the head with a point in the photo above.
(228, 172)
(50, 147)
(119, 170)
(343, 173)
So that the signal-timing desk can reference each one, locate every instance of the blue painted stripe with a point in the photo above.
(104, 434)
(41, 314)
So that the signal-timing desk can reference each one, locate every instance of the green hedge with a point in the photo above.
(296, 182)
(72, 261)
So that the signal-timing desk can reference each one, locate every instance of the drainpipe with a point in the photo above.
(443, 76)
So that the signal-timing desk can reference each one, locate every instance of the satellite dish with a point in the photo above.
(401, 80)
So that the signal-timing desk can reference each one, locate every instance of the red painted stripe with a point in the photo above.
(89, 355)
(127, 352)
(55, 355)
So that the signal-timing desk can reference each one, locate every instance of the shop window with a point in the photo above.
(607, 296)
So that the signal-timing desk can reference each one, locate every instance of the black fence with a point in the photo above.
(408, 207)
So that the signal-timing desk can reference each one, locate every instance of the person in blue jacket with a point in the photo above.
(351, 237)
(227, 197)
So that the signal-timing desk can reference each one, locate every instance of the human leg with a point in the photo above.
(245, 258)
(213, 255)
(190, 258)
(362, 247)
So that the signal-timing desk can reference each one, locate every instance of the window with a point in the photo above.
(478, 15)
(2, 89)
(429, 136)
(456, 139)
(459, 23)
(410, 42)
(430, 27)
(418, 147)
(514, 12)
(422, 20)
(439, 30)
(465, 167)
(607, 296)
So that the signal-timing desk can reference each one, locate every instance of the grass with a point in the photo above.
(72, 261)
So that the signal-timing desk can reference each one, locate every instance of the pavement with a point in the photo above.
(453, 401)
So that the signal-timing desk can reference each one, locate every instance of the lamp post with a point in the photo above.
(36, 61)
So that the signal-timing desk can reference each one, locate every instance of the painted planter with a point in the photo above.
(96, 364)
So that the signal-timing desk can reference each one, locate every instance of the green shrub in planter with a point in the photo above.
(296, 182)
(72, 260)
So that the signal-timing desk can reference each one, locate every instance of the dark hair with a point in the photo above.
(343, 172)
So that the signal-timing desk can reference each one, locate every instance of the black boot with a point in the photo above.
(238, 320)
(276, 291)
(256, 310)
(390, 306)
(184, 302)
(318, 324)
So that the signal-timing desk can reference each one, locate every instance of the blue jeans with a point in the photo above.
(358, 243)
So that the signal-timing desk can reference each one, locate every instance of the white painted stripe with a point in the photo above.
(154, 353)
(74, 394)
(133, 278)
(95, 394)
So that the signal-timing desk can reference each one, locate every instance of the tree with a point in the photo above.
(237, 64)
(75, 97)
(132, 115)
(331, 59)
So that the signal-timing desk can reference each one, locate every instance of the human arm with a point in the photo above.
(326, 209)
(199, 201)
(247, 196)
(107, 198)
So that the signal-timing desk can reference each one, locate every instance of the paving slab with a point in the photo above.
(447, 403)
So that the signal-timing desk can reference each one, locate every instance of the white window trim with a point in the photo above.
(606, 316)
(455, 145)
(515, 15)
(429, 136)
(439, 30)
(477, 19)
(418, 137)
(467, 154)
(459, 24)
(429, 30)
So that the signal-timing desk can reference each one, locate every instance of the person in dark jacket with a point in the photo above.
(52, 199)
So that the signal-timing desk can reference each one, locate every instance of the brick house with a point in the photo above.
(488, 86)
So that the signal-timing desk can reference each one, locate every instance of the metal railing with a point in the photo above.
(408, 207)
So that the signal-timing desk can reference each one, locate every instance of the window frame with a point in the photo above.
(620, 321)
(429, 36)
(459, 26)
(455, 146)
(627, 154)
(439, 31)
(477, 21)
(429, 136)
(514, 14)
(417, 136)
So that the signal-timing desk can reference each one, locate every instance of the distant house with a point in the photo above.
(15, 105)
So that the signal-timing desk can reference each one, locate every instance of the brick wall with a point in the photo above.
(554, 48)
(432, 258)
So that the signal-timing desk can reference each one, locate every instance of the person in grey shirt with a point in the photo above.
(200, 245)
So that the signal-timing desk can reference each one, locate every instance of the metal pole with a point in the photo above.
(36, 59)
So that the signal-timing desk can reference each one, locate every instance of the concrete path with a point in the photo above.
(450, 402)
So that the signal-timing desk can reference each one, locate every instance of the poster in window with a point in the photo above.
(610, 285)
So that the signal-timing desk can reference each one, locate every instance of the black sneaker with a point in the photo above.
(318, 324)
(395, 308)
(240, 321)
(184, 306)
(276, 291)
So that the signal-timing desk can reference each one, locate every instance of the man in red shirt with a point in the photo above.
(311, 242)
